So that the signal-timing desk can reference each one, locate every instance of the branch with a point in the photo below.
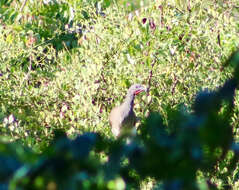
(23, 5)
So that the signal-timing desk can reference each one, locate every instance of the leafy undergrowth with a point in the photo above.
(196, 142)
(65, 64)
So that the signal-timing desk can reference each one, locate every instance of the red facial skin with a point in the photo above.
(137, 92)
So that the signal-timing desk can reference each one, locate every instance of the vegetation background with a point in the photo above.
(66, 63)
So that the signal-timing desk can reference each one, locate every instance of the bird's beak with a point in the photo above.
(140, 90)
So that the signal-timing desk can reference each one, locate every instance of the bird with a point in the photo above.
(122, 118)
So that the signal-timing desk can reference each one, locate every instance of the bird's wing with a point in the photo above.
(129, 120)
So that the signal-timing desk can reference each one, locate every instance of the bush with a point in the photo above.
(200, 141)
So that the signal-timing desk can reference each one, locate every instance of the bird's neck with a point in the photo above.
(129, 101)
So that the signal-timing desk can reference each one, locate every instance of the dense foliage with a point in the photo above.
(197, 141)
(65, 64)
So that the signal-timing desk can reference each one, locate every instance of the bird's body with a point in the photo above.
(122, 118)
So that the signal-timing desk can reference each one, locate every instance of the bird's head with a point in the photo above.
(136, 89)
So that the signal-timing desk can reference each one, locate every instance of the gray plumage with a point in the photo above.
(122, 118)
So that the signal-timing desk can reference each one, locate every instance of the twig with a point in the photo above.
(175, 82)
(23, 5)
(219, 38)
(150, 79)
